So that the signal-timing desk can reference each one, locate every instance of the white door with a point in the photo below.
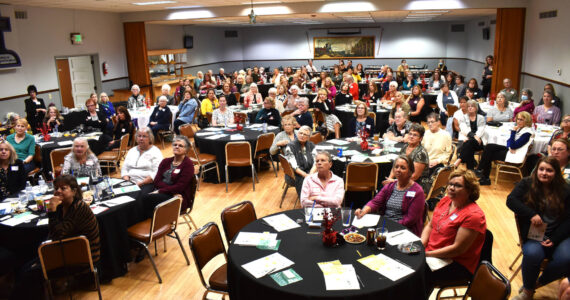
(82, 80)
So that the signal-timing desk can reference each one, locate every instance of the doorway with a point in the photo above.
(76, 76)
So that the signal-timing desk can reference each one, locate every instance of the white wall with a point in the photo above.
(44, 35)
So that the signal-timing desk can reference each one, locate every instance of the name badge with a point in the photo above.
(269, 114)
(368, 126)
(453, 217)
(566, 171)
(513, 92)
(549, 112)
(410, 194)
(176, 171)
(123, 130)
(15, 168)
(89, 162)
(416, 102)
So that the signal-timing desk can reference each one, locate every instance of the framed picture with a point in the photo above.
(343, 47)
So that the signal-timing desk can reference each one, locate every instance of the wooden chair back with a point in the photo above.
(238, 154)
(441, 179)
(235, 217)
(264, 142)
(57, 158)
(361, 177)
(316, 137)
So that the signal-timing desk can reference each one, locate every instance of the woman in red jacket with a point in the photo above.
(174, 176)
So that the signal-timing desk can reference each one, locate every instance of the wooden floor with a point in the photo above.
(182, 282)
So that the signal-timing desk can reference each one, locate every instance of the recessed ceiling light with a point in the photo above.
(268, 10)
(183, 7)
(428, 11)
(435, 4)
(190, 14)
(347, 7)
(154, 2)
(261, 2)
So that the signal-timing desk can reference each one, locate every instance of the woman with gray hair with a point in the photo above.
(500, 112)
(136, 100)
(291, 101)
(472, 135)
(322, 188)
(81, 162)
(301, 114)
(161, 116)
(300, 153)
(527, 103)
(141, 162)
(165, 91)
(174, 176)
(278, 102)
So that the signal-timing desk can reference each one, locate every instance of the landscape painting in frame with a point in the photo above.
(344, 47)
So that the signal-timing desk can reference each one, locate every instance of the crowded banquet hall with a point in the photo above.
(394, 149)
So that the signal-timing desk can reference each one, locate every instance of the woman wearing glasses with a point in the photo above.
(286, 136)
(456, 231)
(322, 188)
(96, 120)
(563, 132)
(299, 154)
(541, 203)
(12, 174)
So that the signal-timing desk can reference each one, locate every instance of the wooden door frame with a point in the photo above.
(96, 73)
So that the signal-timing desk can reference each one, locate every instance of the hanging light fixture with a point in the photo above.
(252, 15)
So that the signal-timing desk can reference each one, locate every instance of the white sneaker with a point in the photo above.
(523, 296)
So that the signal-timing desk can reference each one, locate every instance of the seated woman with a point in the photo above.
(141, 162)
(161, 116)
(416, 102)
(268, 114)
(547, 113)
(361, 121)
(437, 143)
(452, 126)
(12, 174)
(96, 120)
(123, 126)
(520, 136)
(280, 96)
(286, 136)
(252, 96)
(207, 83)
(107, 107)
(390, 94)
(136, 100)
(563, 132)
(299, 154)
(398, 103)
(399, 128)
(53, 120)
(527, 103)
(541, 202)
(471, 134)
(322, 188)
(409, 82)
(165, 92)
(474, 86)
(372, 95)
(174, 176)
(227, 92)
(331, 88)
(436, 81)
(70, 216)
(343, 96)
(272, 92)
(209, 103)
(24, 144)
(444, 98)
(419, 156)
(501, 112)
(301, 114)
(401, 200)
(326, 107)
(459, 87)
(186, 110)
(554, 99)
(222, 116)
(456, 231)
(81, 162)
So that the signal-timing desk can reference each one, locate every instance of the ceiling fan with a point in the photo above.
(252, 16)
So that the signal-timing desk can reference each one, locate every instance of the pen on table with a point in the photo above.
(358, 253)
(402, 263)
(397, 234)
(359, 280)
(6, 218)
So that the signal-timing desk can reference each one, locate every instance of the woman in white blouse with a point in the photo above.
(141, 162)
(222, 116)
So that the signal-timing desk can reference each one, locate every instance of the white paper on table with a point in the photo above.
(256, 125)
(43, 222)
(338, 142)
(96, 209)
(401, 237)
(386, 266)
(324, 147)
(318, 214)
(82, 180)
(358, 158)
(237, 137)
(435, 263)
(113, 181)
(281, 222)
(211, 129)
(126, 189)
(16, 220)
(350, 153)
(379, 159)
(254, 238)
(537, 232)
(45, 143)
(118, 201)
(6, 206)
(205, 133)
(217, 136)
(368, 220)
(376, 151)
(341, 277)
(91, 134)
(65, 143)
(268, 264)
(271, 127)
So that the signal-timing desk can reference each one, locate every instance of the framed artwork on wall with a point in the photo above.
(343, 47)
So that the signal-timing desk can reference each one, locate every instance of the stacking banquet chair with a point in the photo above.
(238, 154)
(520, 244)
(262, 146)
(373, 116)
(67, 257)
(164, 133)
(38, 161)
(488, 284)
(440, 182)
(288, 181)
(361, 177)
(57, 158)
(235, 217)
(205, 162)
(162, 224)
(188, 130)
(486, 255)
(316, 137)
(112, 158)
(511, 168)
(186, 214)
(206, 243)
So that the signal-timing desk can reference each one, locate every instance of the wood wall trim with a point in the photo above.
(564, 84)
(26, 95)
(115, 79)
(508, 53)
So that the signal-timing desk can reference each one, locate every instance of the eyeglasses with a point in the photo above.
(455, 185)
(566, 120)
(178, 146)
(430, 122)
(557, 149)
(304, 134)
(91, 105)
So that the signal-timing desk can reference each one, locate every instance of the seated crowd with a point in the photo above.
(302, 101)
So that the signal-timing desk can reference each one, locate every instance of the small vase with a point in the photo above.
(47, 137)
(239, 127)
(364, 145)
(329, 238)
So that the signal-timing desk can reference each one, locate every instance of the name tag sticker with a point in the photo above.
(549, 112)
(176, 171)
(566, 171)
(368, 126)
(453, 217)
(15, 168)
(123, 130)
(89, 162)
(410, 194)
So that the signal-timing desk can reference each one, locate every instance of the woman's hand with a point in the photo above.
(152, 123)
(126, 178)
(388, 181)
(478, 139)
(359, 213)
(536, 220)
(547, 243)
(513, 151)
(54, 202)
(282, 143)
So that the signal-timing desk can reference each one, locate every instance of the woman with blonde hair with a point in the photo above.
(81, 162)
(24, 144)
(53, 119)
(12, 174)
(323, 104)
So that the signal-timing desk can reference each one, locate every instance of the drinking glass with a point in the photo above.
(346, 214)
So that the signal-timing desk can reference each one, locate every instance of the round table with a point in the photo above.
(306, 250)
(500, 136)
(141, 117)
(345, 114)
(217, 147)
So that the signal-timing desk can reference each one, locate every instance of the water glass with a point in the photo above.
(381, 238)
(346, 215)
(308, 211)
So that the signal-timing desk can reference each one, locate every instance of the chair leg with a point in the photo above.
(253, 176)
(185, 217)
(155, 249)
(200, 177)
(273, 166)
(153, 264)
(181, 247)
(97, 284)
(226, 178)
(192, 220)
(164, 243)
(283, 196)
(218, 170)
(515, 273)
(515, 260)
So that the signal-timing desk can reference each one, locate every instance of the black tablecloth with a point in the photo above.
(73, 119)
(218, 148)
(346, 116)
(306, 250)
(25, 238)
(48, 148)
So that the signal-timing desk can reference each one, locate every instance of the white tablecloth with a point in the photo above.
(486, 106)
(500, 135)
(143, 115)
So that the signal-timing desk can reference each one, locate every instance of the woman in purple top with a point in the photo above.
(547, 113)
(527, 104)
(416, 102)
(401, 200)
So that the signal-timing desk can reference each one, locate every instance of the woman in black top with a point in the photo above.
(161, 116)
(372, 95)
(95, 120)
(361, 121)
(122, 127)
(268, 114)
(230, 97)
(326, 106)
(472, 84)
(12, 174)
(35, 108)
(487, 75)
(343, 97)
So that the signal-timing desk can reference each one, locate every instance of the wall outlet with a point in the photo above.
(559, 71)
(49, 96)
